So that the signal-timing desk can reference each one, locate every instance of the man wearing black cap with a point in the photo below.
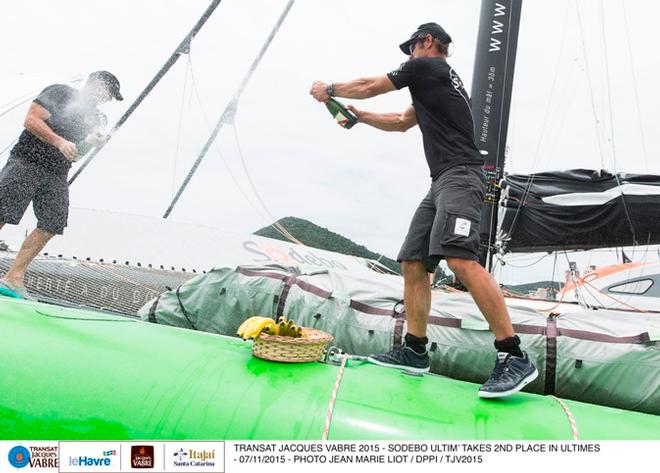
(446, 223)
(60, 120)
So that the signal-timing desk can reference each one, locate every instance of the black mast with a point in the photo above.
(492, 84)
(183, 48)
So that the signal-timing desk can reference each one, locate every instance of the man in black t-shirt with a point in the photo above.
(446, 223)
(62, 123)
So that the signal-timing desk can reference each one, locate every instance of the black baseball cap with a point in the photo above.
(111, 81)
(434, 29)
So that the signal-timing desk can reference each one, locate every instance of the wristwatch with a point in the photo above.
(330, 90)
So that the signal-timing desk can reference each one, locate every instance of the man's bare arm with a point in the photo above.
(356, 89)
(387, 121)
(35, 123)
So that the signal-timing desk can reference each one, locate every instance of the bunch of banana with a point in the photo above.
(253, 326)
(288, 328)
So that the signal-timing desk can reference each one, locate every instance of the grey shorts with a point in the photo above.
(446, 222)
(22, 182)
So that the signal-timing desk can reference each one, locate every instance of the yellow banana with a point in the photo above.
(259, 326)
(281, 328)
(248, 327)
(287, 329)
(270, 329)
(243, 326)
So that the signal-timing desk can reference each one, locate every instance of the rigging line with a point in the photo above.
(632, 70)
(9, 145)
(530, 179)
(607, 82)
(32, 94)
(285, 233)
(230, 109)
(178, 135)
(591, 91)
(278, 226)
(530, 264)
(265, 217)
(29, 99)
(216, 146)
(578, 292)
(609, 97)
(182, 48)
(611, 297)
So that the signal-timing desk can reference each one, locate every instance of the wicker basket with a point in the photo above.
(309, 347)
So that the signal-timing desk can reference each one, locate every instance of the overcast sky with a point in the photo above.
(362, 183)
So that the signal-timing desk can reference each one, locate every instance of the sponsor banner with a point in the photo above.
(90, 456)
(319, 457)
(29, 456)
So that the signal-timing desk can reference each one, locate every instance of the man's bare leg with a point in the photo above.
(416, 296)
(486, 294)
(30, 248)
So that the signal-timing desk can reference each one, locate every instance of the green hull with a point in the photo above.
(76, 374)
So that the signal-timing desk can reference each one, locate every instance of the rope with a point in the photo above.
(632, 70)
(569, 414)
(609, 98)
(591, 91)
(333, 397)
(275, 224)
(613, 298)
(178, 134)
(530, 179)
(32, 94)
(9, 146)
(216, 146)
(526, 265)
(578, 294)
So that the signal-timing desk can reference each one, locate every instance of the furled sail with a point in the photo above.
(578, 209)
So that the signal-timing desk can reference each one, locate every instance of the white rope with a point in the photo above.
(569, 414)
(333, 398)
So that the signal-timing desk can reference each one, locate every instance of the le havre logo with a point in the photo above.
(84, 460)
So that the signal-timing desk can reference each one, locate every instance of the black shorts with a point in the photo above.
(21, 182)
(446, 222)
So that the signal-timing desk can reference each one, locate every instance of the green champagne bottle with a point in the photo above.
(83, 148)
(340, 113)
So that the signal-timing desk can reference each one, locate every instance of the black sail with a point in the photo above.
(579, 209)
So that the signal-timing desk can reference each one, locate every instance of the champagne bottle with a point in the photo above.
(83, 148)
(340, 113)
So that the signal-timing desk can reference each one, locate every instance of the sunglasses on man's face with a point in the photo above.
(414, 43)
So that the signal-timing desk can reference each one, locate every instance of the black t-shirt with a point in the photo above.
(70, 117)
(443, 112)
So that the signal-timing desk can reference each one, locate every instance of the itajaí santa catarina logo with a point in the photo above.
(19, 456)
